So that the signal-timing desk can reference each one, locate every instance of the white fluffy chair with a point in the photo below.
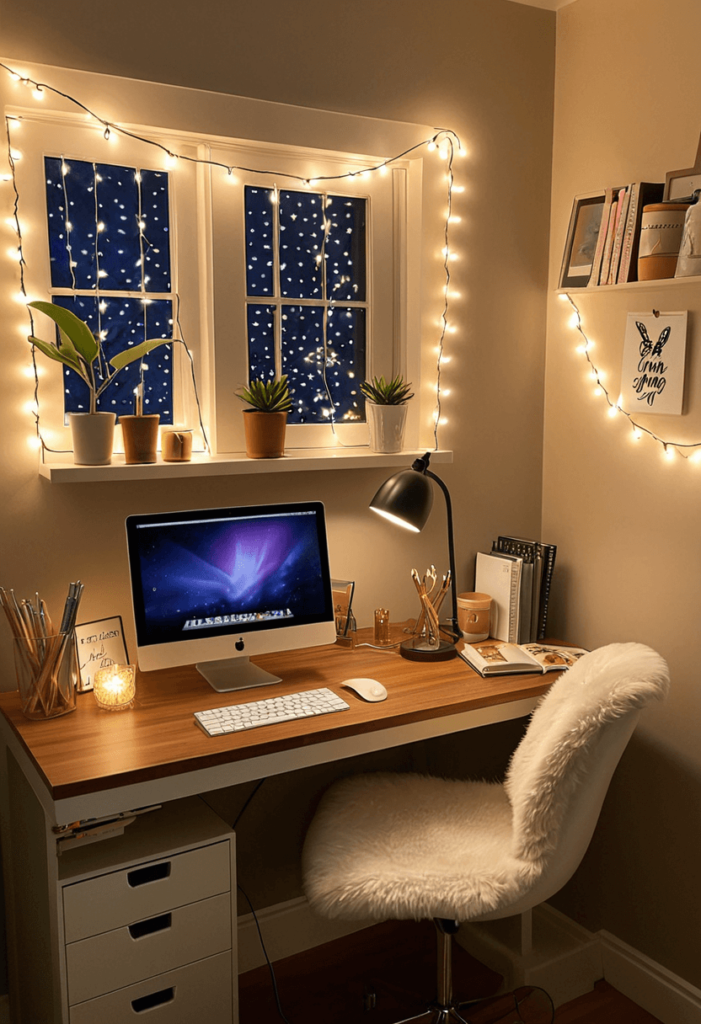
(410, 847)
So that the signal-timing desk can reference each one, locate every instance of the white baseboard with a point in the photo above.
(663, 994)
(565, 959)
(287, 928)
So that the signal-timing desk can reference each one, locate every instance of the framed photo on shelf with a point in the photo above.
(681, 185)
(582, 236)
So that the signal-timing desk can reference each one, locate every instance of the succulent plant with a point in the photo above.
(267, 395)
(387, 392)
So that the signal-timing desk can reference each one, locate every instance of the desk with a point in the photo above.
(93, 763)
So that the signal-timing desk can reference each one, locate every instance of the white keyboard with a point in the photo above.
(238, 717)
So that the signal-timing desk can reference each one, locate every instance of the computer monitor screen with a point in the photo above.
(212, 587)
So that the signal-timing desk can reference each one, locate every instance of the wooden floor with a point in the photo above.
(393, 965)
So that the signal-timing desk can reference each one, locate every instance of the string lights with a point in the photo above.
(443, 141)
(669, 449)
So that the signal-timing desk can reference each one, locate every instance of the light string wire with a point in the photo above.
(439, 135)
(670, 448)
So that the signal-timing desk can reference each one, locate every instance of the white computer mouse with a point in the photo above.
(368, 689)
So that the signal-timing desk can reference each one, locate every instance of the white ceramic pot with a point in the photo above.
(386, 423)
(93, 436)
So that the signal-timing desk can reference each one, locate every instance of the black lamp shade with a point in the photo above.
(405, 498)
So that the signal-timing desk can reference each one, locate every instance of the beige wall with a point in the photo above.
(481, 67)
(628, 92)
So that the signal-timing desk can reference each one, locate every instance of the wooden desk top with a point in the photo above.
(90, 750)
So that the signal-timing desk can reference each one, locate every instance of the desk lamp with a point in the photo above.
(406, 499)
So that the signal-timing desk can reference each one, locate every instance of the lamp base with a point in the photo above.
(415, 650)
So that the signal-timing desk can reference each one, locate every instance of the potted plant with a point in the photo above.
(386, 411)
(265, 421)
(81, 351)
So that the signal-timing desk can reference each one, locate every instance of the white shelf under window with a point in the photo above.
(301, 460)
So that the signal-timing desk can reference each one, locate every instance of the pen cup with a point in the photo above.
(47, 672)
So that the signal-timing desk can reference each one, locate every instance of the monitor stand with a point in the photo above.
(235, 674)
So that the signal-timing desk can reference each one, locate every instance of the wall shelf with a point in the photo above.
(302, 460)
(632, 286)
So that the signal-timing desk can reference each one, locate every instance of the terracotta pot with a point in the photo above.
(386, 423)
(140, 435)
(265, 433)
(93, 436)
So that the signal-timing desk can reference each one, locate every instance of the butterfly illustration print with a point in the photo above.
(651, 380)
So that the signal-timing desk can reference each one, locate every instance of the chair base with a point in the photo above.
(437, 1015)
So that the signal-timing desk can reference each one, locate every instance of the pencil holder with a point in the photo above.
(47, 672)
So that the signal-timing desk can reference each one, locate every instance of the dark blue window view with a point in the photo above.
(109, 234)
(309, 247)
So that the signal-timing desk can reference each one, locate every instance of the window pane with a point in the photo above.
(318, 378)
(301, 241)
(125, 322)
(259, 240)
(108, 226)
(261, 341)
(345, 249)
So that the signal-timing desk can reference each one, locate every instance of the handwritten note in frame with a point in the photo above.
(654, 353)
(99, 645)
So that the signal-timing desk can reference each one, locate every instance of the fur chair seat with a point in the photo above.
(408, 846)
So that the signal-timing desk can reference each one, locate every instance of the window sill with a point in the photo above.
(301, 460)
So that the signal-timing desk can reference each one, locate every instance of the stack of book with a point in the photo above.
(517, 574)
(616, 255)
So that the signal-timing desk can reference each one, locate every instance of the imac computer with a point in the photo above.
(215, 586)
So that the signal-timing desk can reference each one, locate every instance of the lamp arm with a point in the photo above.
(451, 545)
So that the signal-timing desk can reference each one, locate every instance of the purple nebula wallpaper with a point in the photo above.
(208, 577)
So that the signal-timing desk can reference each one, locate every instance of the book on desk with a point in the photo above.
(493, 659)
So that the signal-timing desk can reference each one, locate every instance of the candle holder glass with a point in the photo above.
(115, 687)
(47, 672)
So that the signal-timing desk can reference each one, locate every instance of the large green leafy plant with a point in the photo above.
(267, 395)
(81, 351)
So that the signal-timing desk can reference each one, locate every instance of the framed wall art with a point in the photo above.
(654, 356)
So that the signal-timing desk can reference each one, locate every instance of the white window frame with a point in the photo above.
(312, 137)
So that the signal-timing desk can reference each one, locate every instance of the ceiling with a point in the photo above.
(549, 5)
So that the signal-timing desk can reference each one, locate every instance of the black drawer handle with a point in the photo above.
(166, 995)
(150, 926)
(151, 873)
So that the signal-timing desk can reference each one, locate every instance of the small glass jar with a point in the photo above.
(381, 634)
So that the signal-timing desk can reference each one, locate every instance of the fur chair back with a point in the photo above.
(578, 731)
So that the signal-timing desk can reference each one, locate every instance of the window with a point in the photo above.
(109, 251)
(306, 256)
(258, 271)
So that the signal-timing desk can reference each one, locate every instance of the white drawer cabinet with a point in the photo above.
(138, 926)
(197, 992)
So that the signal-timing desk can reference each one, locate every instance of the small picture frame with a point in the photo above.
(681, 185)
(99, 644)
(582, 236)
(342, 606)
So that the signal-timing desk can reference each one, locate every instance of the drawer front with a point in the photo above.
(120, 897)
(146, 948)
(197, 992)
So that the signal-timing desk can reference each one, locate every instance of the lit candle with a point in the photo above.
(114, 687)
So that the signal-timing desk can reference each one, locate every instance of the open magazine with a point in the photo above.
(493, 659)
